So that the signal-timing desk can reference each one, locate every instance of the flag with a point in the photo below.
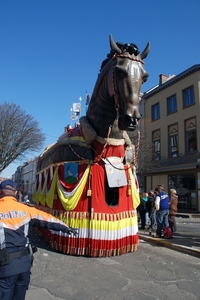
(76, 107)
(71, 172)
(74, 116)
(87, 98)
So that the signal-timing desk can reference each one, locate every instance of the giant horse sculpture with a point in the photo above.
(87, 178)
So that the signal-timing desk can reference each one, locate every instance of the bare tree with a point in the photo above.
(19, 134)
(144, 152)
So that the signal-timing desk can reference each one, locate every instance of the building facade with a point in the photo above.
(25, 177)
(171, 124)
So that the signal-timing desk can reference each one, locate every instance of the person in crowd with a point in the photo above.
(142, 209)
(24, 196)
(16, 252)
(147, 218)
(162, 210)
(161, 187)
(19, 196)
(147, 214)
(151, 209)
(173, 208)
(26, 200)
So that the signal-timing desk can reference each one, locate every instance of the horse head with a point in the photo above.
(128, 74)
(117, 90)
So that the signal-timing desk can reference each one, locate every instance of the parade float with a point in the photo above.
(87, 178)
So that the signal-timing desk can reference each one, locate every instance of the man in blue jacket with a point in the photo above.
(162, 207)
(16, 253)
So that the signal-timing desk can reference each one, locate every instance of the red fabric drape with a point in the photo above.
(98, 194)
(107, 151)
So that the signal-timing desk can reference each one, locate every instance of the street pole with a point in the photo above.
(80, 99)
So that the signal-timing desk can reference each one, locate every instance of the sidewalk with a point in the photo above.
(184, 241)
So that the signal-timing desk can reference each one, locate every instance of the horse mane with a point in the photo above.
(130, 48)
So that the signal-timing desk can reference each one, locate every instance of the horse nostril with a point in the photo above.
(128, 122)
(128, 119)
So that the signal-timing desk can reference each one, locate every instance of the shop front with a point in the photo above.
(185, 186)
(180, 173)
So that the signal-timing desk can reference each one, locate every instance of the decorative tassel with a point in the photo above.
(89, 191)
(129, 191)
(129, 187)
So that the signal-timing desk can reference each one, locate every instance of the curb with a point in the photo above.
(188, 216)
(180, 248)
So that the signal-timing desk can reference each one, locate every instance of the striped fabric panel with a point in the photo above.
(91, 247)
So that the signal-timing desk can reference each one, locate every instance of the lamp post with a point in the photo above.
(80, 99)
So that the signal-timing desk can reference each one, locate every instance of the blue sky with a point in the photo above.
(51, 50)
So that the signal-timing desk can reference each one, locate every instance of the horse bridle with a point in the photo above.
(115, 56)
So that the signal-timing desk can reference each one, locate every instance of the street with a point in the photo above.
(191, 227)
(152, 272)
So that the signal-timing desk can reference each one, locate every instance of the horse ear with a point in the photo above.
(113, 45)
(145, 52)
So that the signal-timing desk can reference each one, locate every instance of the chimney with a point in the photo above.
(162, 79)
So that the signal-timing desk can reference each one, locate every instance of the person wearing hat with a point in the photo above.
(15, 249)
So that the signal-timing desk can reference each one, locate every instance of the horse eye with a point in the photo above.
(145, 77)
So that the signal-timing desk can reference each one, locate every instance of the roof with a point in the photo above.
(172, 80)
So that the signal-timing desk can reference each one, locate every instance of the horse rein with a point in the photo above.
(115, 56)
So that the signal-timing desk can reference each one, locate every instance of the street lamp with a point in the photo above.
(80, 99)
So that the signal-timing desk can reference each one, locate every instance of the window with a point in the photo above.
(171, 104)
(173, 140)
(190, 135)
(188, 97)
(185, 186)
(156, 145)
(173, 145)
(191, 141)
(156, 150)
(155, 112)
